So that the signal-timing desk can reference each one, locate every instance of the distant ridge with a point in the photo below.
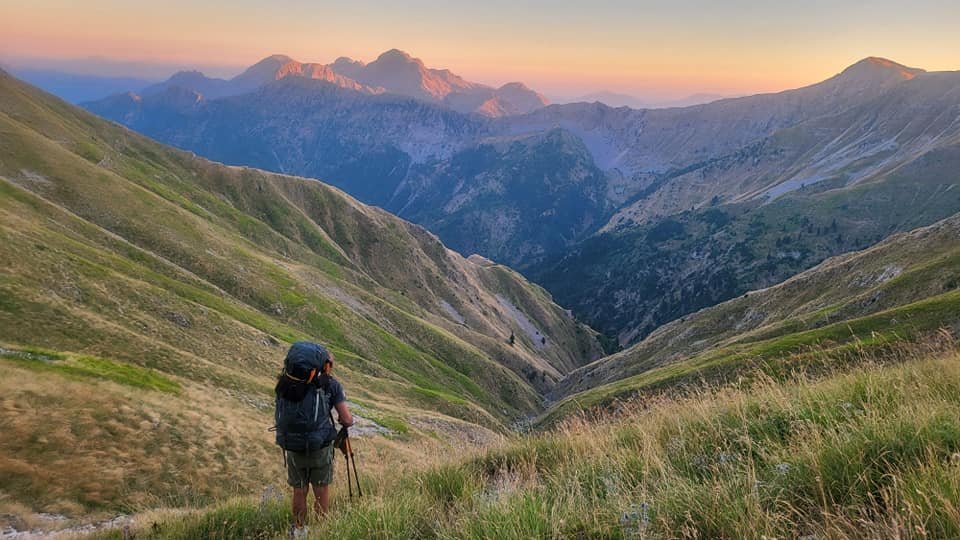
(875, 66)
(394, 72)
(617, 99)
(616, 211)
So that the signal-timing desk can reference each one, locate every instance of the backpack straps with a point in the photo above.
(324, 382)
(308, 380)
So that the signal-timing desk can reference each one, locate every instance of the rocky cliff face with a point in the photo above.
(514, 199)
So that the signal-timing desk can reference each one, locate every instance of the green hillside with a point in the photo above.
(147, 297)
(901, 290)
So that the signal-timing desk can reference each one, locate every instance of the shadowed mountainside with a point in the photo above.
(899, 290)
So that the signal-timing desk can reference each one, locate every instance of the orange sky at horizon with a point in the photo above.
(674, 50)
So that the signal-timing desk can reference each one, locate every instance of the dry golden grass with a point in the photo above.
(872, 451)
(73, 443)
(89, 448)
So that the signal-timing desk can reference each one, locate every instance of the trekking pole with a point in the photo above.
(342, 443)
(346, 461)
(356, 476)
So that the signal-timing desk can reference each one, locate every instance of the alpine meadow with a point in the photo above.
(625, 271)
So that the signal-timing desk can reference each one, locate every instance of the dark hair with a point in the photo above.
(290, 389)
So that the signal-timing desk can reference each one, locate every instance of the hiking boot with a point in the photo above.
(298, 532)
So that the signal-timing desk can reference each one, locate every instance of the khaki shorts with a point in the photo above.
(314, 468)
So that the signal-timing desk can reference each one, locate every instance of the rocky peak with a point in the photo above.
(397, 56)
(515, 86)
(878, 70)
(185, 76)
(348, 67)
(262, 72)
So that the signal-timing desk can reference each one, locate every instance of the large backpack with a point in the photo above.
(302, 417)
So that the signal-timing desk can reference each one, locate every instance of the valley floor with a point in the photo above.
(871, 451)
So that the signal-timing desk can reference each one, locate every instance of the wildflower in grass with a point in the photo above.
(724, 458)
(269, 495)
(635, 521)
(611, 482)
(675, 445)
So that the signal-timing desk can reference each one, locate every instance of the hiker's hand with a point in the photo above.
(340, 443)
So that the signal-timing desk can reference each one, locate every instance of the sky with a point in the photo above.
(647, 48)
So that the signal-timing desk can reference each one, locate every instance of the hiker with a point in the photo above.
(306, 394)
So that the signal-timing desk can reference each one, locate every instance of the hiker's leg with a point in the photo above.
(298, 477)
(321, 477)
(300, 504)
(321, 502)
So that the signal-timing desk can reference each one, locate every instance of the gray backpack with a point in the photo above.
(302, 416)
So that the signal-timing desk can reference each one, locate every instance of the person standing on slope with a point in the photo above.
(306, 394)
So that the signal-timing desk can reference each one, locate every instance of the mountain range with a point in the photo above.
(393, 72)
(632, 217)
(754, 216)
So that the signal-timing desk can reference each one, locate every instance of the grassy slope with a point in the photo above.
(900, 289)
(117, 248)
(633, 280)
(868, 453)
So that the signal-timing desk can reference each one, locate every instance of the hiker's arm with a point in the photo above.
(343, 413)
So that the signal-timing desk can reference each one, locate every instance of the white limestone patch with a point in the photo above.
(58, 529)
(28, 178)
(751, 319)
(452, 312)
(878, 278)
(791, 185)
(358, 307)
(523, 322)
(34, 177)
(363, 426)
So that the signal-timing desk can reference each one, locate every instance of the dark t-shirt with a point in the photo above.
(336, 393)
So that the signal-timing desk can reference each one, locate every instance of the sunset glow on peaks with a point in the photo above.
(670, 49)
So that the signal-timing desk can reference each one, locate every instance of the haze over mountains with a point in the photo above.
(78, 88)
(632, 217)
(617, 99)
